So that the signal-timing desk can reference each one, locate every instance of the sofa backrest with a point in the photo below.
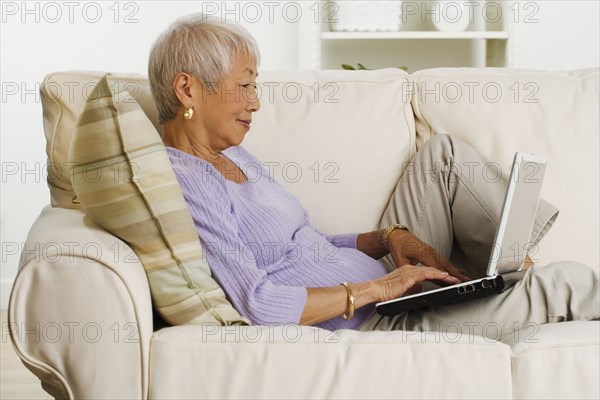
(551, 113)
(336, 139)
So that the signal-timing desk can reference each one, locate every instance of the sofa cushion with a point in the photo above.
(337, 140)
(572, 349)
(63, 96)
(555, 114)
(300, 362)
(123, 179)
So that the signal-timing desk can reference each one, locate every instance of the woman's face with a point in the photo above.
(225, 116)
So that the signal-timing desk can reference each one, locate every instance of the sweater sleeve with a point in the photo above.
(231, 262)
(342, 240)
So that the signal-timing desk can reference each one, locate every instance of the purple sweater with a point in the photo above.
(260, 245)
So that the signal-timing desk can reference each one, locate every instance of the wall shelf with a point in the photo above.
(487, 42)
(414, 35)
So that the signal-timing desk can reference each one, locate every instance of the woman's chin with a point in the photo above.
(242, 134)
(238, 139)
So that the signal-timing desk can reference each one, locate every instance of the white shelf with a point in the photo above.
(415, 35)
(489, 43)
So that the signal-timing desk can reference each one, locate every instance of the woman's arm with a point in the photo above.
(326, 303)
(406, 248)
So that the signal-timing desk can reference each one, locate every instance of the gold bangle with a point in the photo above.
(350, 303)
(388, 231)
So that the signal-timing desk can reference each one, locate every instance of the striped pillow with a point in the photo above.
(124, 181)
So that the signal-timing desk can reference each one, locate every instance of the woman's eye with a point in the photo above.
(249, 91)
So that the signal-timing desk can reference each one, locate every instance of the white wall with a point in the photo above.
(557, 34)
(565, 36)
(30, 49)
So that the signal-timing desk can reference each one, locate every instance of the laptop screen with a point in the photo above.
(518, 214)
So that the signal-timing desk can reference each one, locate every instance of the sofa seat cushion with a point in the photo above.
(124, 181)
(337, 140)
(550, 361)
(551, 113)
(294, 362)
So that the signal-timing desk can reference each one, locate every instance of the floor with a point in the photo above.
(16, 381)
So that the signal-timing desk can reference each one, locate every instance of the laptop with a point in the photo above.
(508, 249)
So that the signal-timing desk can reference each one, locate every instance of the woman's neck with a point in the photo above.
(180, 137)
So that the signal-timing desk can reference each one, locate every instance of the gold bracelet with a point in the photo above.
(350, 303)
(388, 231)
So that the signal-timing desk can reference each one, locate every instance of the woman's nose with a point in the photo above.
(253, 102)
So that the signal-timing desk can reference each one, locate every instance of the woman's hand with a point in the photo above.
(408, 279)
(325, 303)
(406, 248)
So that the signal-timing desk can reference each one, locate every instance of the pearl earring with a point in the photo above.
(188, 113)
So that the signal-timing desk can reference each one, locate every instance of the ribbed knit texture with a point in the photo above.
(260, 245)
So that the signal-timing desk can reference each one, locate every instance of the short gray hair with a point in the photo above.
(200, 45)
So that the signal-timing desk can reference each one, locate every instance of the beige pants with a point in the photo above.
(450, 197)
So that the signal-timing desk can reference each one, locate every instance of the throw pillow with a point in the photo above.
(124, 181)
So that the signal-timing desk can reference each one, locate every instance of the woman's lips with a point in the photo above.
(246, 123)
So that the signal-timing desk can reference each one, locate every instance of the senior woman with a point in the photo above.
(258, 238)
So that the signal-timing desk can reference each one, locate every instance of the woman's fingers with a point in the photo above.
(448, 280)
(453, 270)
(431, 273)
(438, 276)
(409, 279)
(412, 250)
(433, 259)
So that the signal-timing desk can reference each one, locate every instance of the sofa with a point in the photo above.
(81, 313)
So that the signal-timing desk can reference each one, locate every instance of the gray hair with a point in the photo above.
(200, 45)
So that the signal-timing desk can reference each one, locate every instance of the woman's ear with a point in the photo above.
(182, 84)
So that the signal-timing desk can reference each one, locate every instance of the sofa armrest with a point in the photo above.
(80, 312)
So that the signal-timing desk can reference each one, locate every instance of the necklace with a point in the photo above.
(209, 157)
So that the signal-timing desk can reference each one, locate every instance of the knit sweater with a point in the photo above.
(260, 245)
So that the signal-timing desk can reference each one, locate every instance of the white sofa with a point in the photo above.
(81, 313)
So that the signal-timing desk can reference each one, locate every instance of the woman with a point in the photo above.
(259, 239)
